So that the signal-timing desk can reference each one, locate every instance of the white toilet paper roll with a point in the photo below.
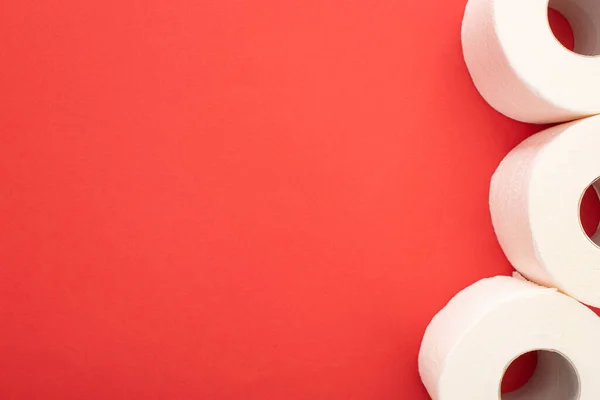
(470, 343)
(519, 66)
(535, 197)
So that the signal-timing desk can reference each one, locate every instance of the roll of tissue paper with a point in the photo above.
(519, 66)
(535, 198)
(470, 343)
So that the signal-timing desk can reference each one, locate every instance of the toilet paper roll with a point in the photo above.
(535, 197)
(470, 343)
(519, 66)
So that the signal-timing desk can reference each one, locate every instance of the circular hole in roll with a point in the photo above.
(576, 24)
(561, 28)
(589, 212)
(519, 372)
(540, 374)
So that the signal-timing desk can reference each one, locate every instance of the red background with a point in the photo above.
(234, 199)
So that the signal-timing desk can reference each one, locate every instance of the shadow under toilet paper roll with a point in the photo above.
(535, 199)
(522, 70)
(470, 343)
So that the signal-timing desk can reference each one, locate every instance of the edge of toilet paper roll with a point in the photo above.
(520, 277)
(435, 348)
(485, 56)
(509, 205)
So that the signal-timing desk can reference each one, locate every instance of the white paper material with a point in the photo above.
(535, 196)
(470, 343)
(519, 66)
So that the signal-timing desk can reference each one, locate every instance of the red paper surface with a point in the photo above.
(236, 199)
